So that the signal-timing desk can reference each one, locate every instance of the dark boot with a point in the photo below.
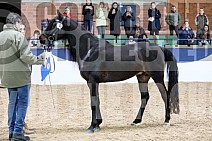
(20, 137)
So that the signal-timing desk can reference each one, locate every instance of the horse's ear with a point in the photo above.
(59, 14)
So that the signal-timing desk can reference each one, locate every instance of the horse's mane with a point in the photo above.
(50, 24)
(73, 25)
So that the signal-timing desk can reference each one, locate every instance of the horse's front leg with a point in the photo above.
(95, 102)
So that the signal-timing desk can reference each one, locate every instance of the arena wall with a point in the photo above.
(36, 11)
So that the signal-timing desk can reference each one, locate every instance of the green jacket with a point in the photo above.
(173, 18)
(15, 58)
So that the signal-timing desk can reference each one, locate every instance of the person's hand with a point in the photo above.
(42, 56)
(114, 11)
(183, 28)
(89, 7)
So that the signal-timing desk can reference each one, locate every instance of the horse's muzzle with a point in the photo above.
(43, 39)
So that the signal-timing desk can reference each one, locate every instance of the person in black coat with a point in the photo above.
(154, 19)
(88, 12)
(115, 18)
(128, 18)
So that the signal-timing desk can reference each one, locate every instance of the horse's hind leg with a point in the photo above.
(95, 102)
(143, 87)
(158, 77)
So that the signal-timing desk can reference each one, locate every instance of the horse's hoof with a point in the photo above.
(133, 124)
(166, 125)
(97, 129)
(136, 122)
(90, 131)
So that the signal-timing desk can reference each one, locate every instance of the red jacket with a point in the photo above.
(70, 15)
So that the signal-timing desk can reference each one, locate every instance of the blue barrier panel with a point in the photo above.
(181, 54)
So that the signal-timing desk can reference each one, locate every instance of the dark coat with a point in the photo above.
(185, 34)
(201, 21)
(128, 20)
(156, 23)
(88, 13)
(202, 37)
(115, 20)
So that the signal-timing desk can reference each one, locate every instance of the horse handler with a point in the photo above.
(15, 59)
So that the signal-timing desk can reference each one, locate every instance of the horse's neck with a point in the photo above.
(84, 42)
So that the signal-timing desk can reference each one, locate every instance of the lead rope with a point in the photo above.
(50, 83)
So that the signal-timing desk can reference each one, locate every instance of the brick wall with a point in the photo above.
(34, 12)
(190, 9)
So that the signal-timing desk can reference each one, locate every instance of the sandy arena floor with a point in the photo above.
(120, 102)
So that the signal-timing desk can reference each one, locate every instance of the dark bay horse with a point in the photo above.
(101, 62)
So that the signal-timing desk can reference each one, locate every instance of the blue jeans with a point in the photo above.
(17, 108)
(200, 43)
(88, 24)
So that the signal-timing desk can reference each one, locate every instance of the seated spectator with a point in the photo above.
(130, 41)
(204, 36)
(68, 12)
(139, 33)
(35, 42)
(44, 24)
(186, 35)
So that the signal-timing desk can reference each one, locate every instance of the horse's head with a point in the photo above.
(57, 29)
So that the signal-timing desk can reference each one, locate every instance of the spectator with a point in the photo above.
(115, 18)
(154, 19)
(88, 12)
(204, 36)
(139, 32)
(101, 19)
(173, 19)
(67, 12)
(201, 20)
(186, 35)
(35, 42)
(16, 74)
(44, 24)
(128, 18)
(23, 29)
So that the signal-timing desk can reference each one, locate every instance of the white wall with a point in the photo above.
(67, 72)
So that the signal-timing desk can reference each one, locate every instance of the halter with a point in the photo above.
(53, 33)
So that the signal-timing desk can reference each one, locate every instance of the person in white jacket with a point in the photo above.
(101, 19)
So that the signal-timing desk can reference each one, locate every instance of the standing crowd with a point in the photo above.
(133, 29)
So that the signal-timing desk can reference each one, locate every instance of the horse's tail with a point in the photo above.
(172, 71)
